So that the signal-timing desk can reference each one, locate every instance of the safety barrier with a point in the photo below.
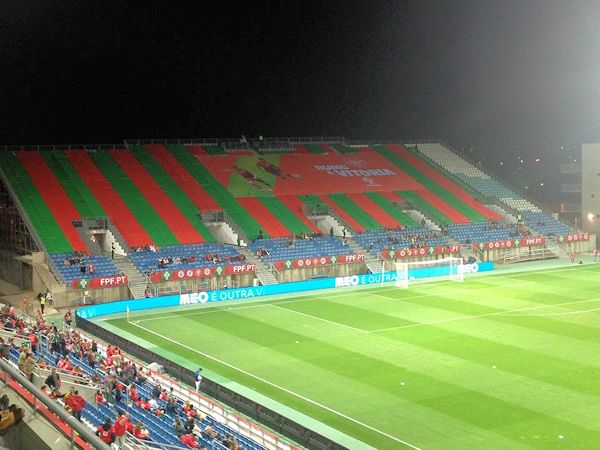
(248, 293)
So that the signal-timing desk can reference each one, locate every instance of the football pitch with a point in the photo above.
(508, 361)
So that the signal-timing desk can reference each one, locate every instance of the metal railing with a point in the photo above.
(76, 427)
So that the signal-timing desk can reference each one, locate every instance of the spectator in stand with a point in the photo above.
(29, 366)
(190, 440)
(53, 380)
(120, 428)
(106, 432)
(68, 318)
(140, 432)
(34, 341)
(77, 403)
(210, 431)
(133, 394)
(189, 424)
(4, 402)
(100, 400)
(178, 427)
(153, 403)
(233, 444)
(171, 405)
(21, 360)
(4, 349)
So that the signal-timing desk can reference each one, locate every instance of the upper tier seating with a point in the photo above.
(474, 177)
(482, 232)
(205, 255)
(545, 224)
(376, 241)
(69, 266)
(281, 250)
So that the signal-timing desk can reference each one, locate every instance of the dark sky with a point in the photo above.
(505, 77)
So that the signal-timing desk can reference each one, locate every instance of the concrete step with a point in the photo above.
(263, 272)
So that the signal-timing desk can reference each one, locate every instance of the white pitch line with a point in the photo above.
(477, 316)
(288, 391)
(565, 313)
(360, 330)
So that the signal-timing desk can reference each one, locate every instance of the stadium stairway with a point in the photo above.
(264, 217)
(431, 192)
(160, 202)
(54, 196)
(128, 226)
(344, 149)
(427, 208)
(341, 215)
(295, 205)
(175, 194)
(242, 221)
(314, 148)
(293, 219)
(136, 280)
(371, 261)
(145, 213)
(357, 213)
(263, 271)
(373, 210)
(389, 207)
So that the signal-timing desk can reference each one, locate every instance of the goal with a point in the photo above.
(403, 273)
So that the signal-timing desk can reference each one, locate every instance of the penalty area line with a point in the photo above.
(507, 313)
(360, 330)
(281, 388)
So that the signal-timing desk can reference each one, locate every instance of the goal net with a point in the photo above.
(403, 273)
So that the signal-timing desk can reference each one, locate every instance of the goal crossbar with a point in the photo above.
(404, 273)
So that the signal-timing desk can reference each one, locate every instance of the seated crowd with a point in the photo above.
(77, 259)
(215, 258)
(118, 382)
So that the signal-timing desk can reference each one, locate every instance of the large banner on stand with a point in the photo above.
(511, 243)
(203, 272)
(319, 261)
(421, 251)
(574, 237)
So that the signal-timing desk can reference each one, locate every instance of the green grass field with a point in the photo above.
(498, 362)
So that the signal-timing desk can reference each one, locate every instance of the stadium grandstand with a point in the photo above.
(116, 247)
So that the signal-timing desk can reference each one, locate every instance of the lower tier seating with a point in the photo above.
(376, 241)
(545, 224)
(69, 266)
(469, 233)
(271, 250)
(182, 257)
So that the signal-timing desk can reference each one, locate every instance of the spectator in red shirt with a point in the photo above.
(77, 403)
(121, 428)
(106, 432)
(140, 432)
(100, 398)
(189, 440)
(133, 394)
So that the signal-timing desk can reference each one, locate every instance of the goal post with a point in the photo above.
(404, 273)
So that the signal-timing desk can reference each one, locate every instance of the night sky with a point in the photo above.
(510, 78)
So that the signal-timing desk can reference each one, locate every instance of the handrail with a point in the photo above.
(83, 430)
